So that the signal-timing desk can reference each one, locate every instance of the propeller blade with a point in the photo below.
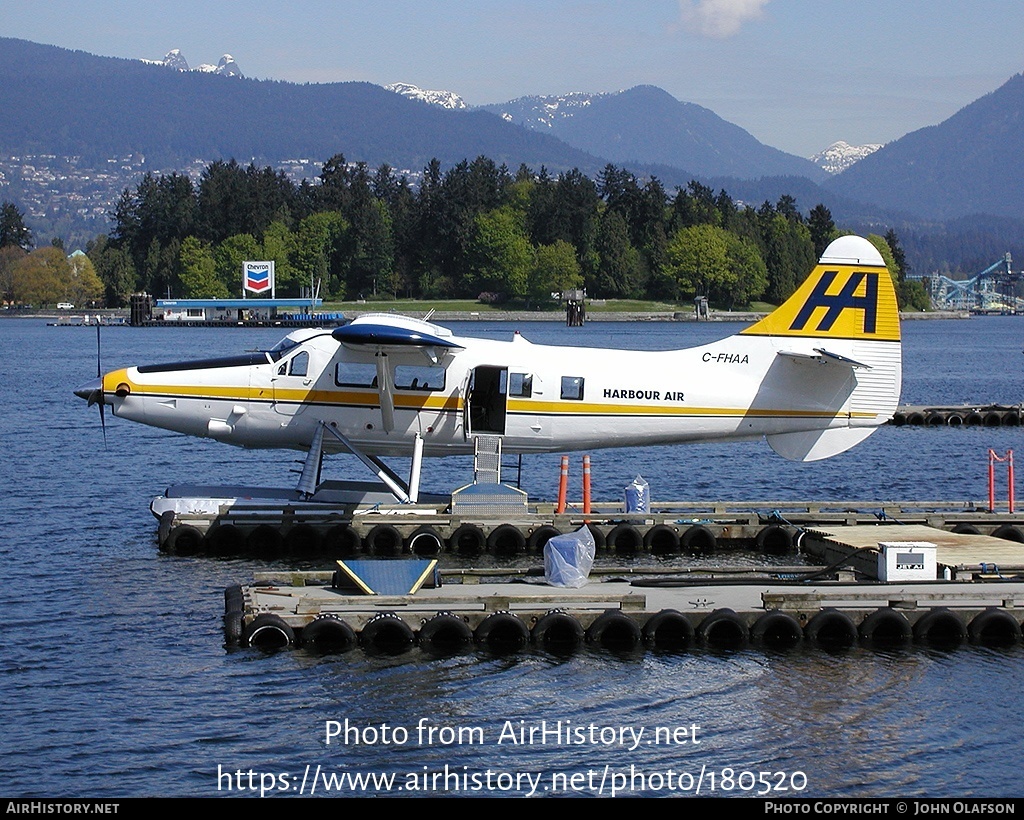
(103, 423)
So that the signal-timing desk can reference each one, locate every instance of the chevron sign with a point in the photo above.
(258, 276)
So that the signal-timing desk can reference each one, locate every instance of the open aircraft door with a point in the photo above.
(485, 407)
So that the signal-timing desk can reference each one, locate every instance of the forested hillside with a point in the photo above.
(476, 231)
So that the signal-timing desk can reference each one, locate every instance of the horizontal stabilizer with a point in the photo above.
(822, 356)
(814, 445)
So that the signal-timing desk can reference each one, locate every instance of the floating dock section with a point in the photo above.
(979, 415)
(265, 525)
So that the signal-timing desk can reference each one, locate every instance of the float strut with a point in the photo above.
(379, 469)
(310, 475)
(414, 469)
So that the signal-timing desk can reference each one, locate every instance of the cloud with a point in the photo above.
(719, 18)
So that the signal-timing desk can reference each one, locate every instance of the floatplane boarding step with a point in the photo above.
(813, 378)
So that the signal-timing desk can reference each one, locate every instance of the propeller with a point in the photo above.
(92, 391)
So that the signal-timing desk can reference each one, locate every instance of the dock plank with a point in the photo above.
(962, 551)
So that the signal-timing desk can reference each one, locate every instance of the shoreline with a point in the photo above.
(74, 318)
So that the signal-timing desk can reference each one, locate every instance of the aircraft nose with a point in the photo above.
(91, 391)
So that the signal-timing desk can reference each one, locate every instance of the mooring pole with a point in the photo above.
(586, 485)
(1010, 480)
(563, 484)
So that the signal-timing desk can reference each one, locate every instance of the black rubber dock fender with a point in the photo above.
(662, 539)
(1009, 532)
(831, 629)
(425, 541)
(994, 627)
(264, 541)
(777, 630)
(698, 539)
(502, 632)
(225, 539)
(234, 606)
(328, 633)
(540, 536)
(966, 529)
(940, 627)
(468, 539)
(445, 633)
(384, 540)
(341, 541)
(184, 540)
(723, 629)
(615, 630)
(886, 627)
(557, 631)
(506, 539)
(775, 539)
(387, 633)
(302, 539)
(668, 630)
(268, 631)
(624, 539)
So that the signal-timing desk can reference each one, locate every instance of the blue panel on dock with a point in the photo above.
(401, 576)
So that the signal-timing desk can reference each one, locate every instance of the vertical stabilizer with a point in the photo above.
(845, 318)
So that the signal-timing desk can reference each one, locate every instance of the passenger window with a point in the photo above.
(520, 385)
(572, 387)
(299, 365)
(419, 377)
(355, 374)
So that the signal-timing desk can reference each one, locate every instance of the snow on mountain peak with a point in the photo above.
(445, 99)
(176, 60)
(841, 155)
(542, 111)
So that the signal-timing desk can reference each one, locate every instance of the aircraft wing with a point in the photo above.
(388, 335)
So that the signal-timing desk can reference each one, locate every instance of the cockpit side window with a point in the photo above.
(299, 365)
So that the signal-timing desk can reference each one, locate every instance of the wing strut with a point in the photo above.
(386, 475)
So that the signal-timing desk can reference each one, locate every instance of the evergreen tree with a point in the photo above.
(13, 232)
(823, 229)
(619, 269)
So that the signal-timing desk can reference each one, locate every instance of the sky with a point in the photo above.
(797, 74)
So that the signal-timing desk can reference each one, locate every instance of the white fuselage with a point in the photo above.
(538, 398)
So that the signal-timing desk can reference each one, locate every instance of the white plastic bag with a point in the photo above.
(638, 495)
(569, 558)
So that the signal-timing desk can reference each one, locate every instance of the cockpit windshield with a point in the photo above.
(282, 347)
(293, 340)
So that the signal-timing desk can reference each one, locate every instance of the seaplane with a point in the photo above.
(814, 378)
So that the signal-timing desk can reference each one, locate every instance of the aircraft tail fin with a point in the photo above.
(838, 337)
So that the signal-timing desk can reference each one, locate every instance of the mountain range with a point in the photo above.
(70, 103)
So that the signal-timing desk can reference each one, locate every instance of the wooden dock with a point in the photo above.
(975, 592)
(626, 610)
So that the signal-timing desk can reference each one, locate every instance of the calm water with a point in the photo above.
(116, 682)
